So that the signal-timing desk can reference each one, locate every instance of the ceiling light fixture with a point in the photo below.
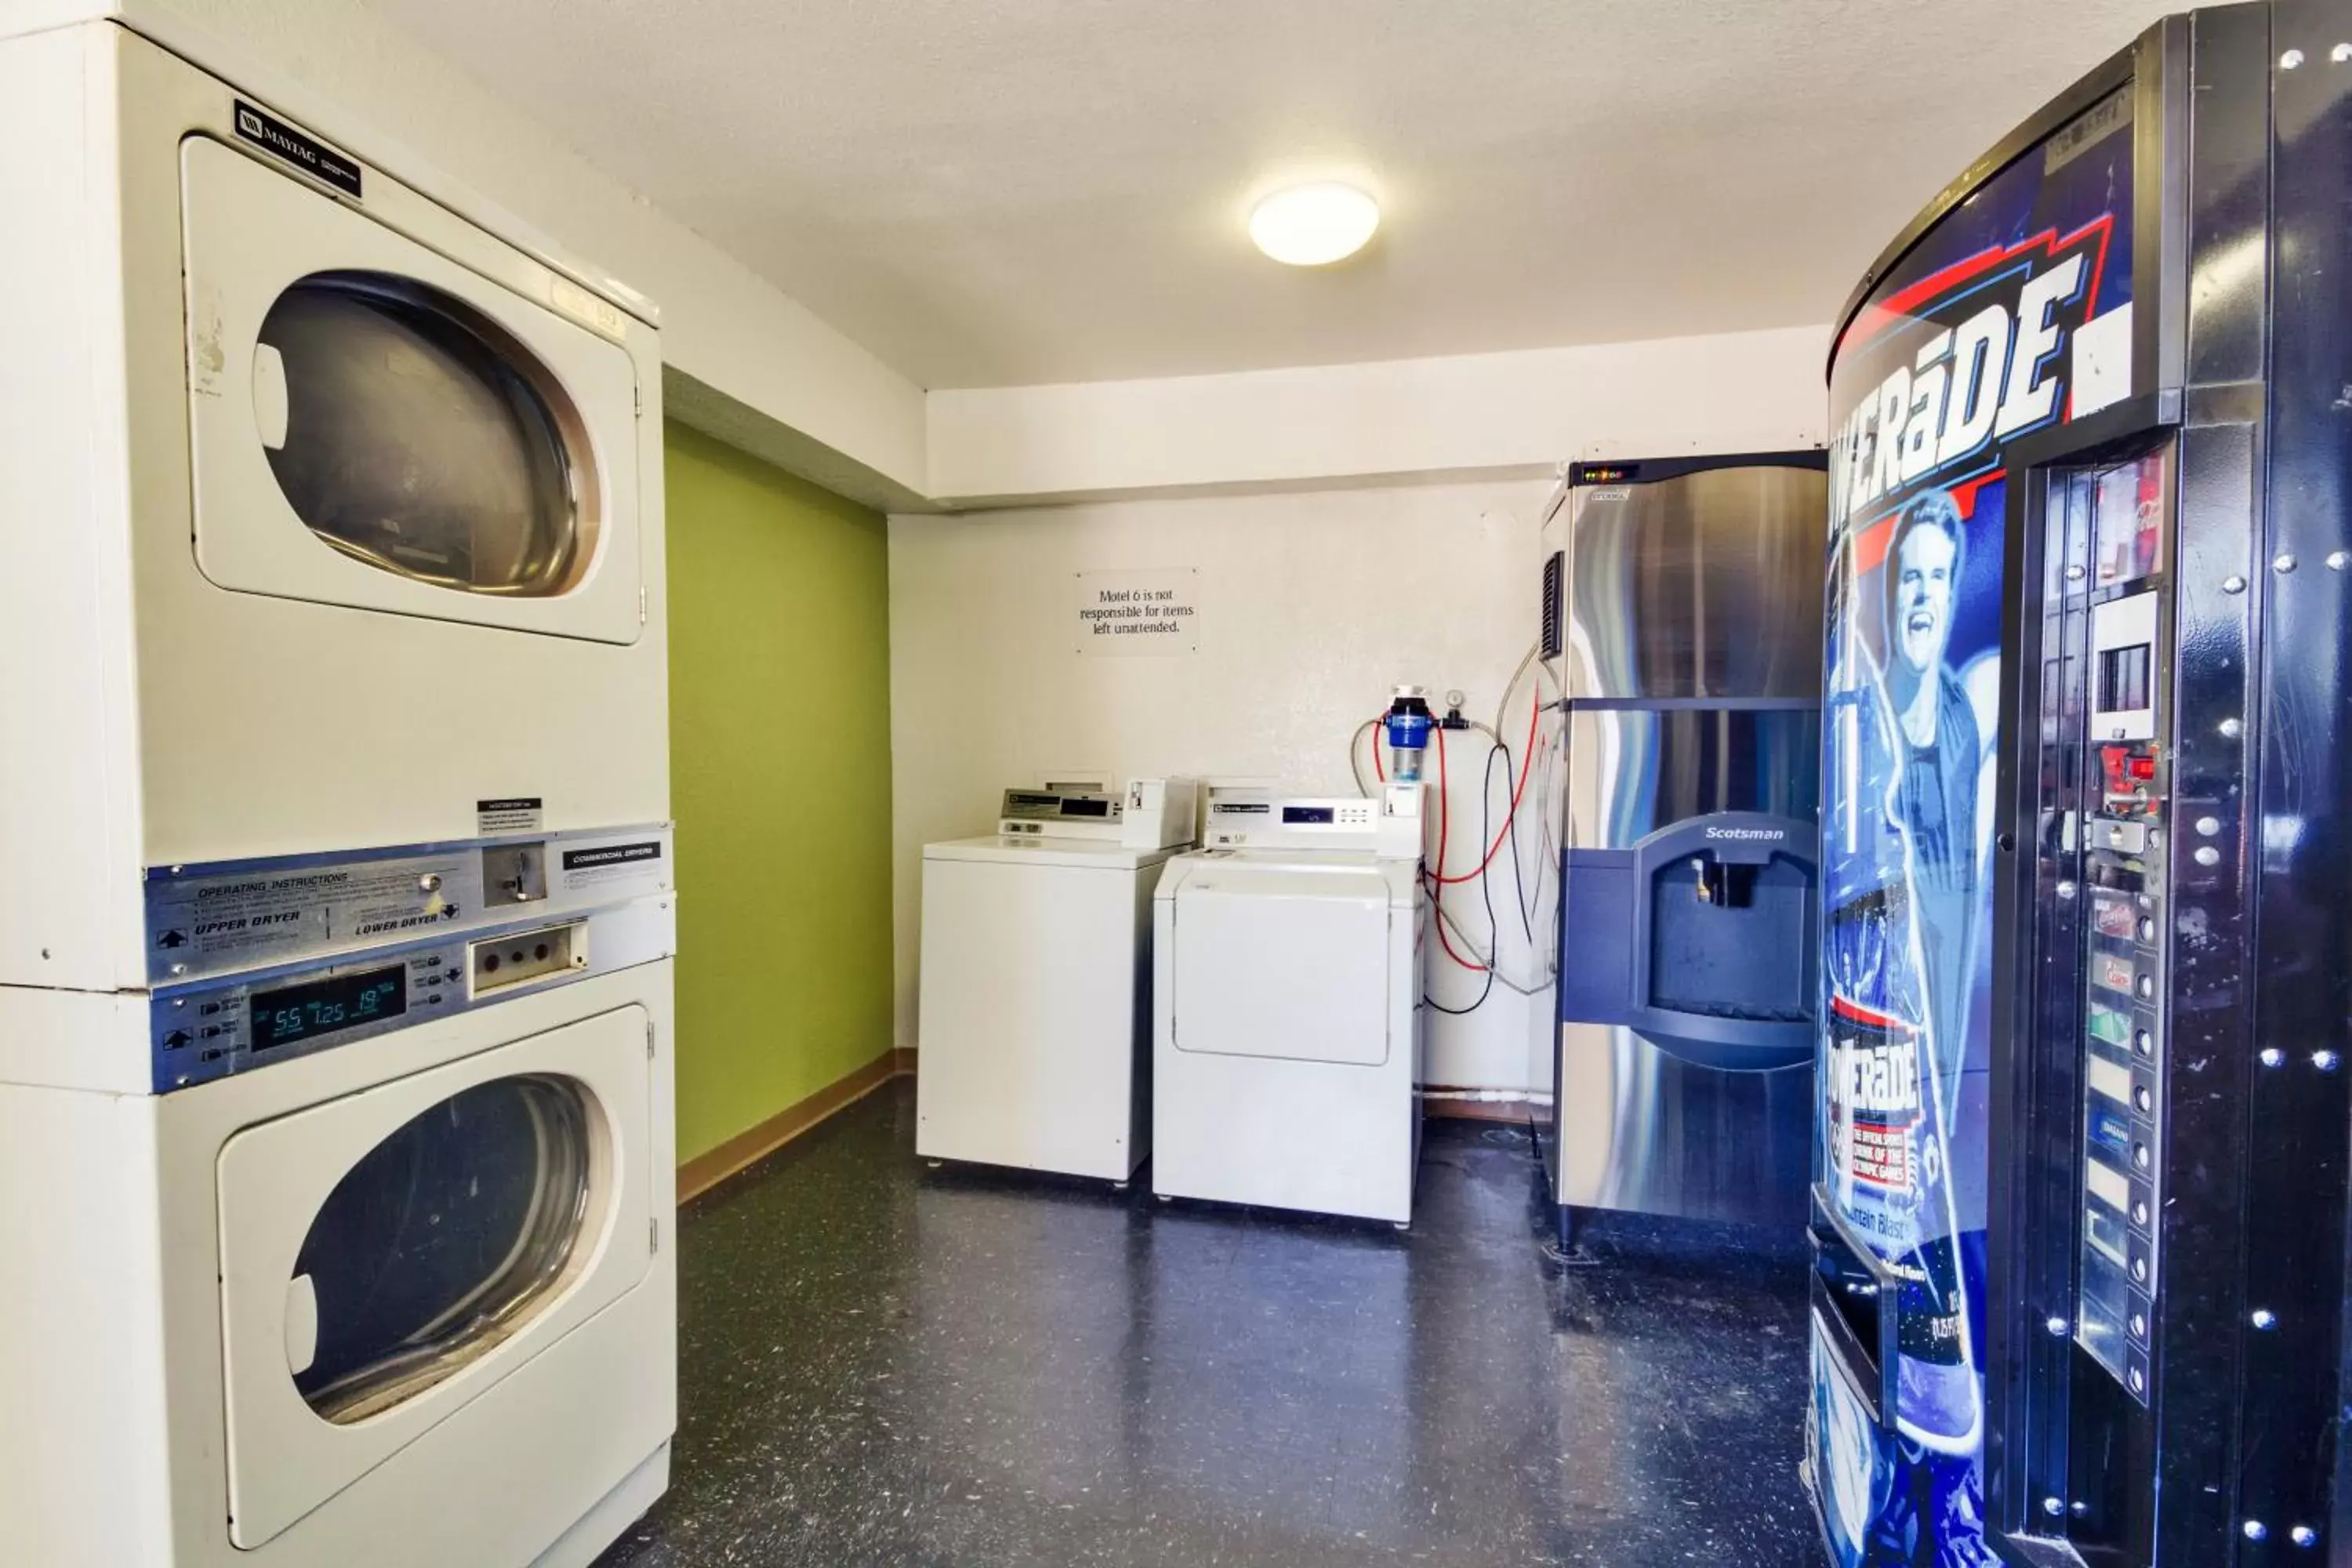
(1313, 225)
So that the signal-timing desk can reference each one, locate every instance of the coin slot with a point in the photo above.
(504, 963)
(514, 874)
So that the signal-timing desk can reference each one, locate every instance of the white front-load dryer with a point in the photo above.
(362, 1259)
(336, 909)
(331, 510)
(1286, 1009)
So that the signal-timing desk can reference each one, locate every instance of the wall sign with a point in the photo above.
(1147, 612)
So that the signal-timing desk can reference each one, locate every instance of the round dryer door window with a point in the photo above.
(448, 1236)
(411, 432)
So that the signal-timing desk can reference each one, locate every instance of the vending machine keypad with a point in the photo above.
(2123, 926)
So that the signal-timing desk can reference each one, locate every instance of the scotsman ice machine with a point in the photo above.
(1682, 616)
(2087, 846)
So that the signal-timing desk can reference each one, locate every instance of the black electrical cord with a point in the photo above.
(1485, 882)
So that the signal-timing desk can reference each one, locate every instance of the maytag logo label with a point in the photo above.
(308, 154)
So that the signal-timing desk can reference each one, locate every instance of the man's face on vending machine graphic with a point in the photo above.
(1926, 569)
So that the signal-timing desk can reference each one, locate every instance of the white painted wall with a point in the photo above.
(1313, 605)
(337, 66)
(1464, 415)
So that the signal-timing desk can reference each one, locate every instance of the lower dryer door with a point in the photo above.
(387, 1257)
(1283, 961)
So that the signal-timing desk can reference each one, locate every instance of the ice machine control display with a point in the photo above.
(295, 1012)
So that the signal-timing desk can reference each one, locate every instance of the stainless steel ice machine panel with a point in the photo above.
(1678, 1047)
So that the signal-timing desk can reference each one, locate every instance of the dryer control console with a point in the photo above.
(243, 914)
(265, 960)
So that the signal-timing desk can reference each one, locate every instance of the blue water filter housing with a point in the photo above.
(1408, 724)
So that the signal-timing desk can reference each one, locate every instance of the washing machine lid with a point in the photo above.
(1291, 958)
(387, 1257)
(1002, 850)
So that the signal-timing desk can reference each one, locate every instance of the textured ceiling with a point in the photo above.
(989, 192)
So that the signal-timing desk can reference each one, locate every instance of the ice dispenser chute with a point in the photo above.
(1700, 938)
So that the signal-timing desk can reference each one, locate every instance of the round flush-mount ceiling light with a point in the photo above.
(1314, 225)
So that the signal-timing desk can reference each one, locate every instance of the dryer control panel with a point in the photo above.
(256, 962)
(244, 914)
(233, 1024)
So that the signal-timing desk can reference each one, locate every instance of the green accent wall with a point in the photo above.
(780, 766)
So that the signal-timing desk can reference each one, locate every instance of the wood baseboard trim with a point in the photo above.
(1513, 1110)
(753, 1144)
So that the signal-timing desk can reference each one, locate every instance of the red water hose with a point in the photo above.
(1437, 878)
(1527, 765)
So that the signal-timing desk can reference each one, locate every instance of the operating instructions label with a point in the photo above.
(211, 921)
(513, 814)
(1141, 612)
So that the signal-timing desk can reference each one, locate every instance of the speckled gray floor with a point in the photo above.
(883, 1364)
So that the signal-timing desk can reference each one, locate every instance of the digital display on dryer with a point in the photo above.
(315, 1007)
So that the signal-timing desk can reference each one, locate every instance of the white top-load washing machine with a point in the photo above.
(1036, 980)
(1286, 1005)
(336, 905)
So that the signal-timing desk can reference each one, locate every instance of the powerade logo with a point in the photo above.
(1879, 1082)
(1874, 1104)
(1994, 333)
(1876, 1101)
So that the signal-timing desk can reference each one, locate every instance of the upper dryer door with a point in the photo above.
(376, 427)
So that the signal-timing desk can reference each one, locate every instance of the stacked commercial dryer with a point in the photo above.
(336, 909)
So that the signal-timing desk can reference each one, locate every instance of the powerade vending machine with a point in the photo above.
(2004, 311)
(2079, 1218)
